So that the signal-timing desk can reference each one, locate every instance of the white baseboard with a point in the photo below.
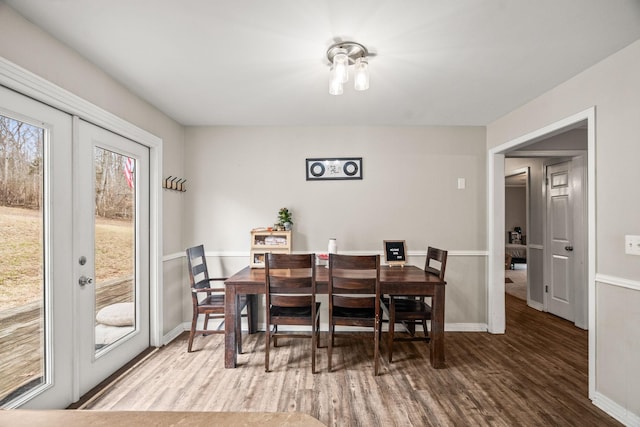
(535, 305)
(175, 332)
(449, 327)
(466, 327)
(618, 412)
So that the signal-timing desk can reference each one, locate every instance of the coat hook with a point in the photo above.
(174, 183)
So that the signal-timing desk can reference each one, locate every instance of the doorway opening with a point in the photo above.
(540, 145)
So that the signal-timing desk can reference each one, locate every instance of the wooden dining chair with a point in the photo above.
(411, 311)
(354, 297)
(290, 294)
(208, 300)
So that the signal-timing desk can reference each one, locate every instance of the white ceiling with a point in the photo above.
(263, 62)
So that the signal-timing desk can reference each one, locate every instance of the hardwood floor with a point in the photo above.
(535, 374)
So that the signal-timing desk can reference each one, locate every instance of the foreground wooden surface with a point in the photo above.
(19, 418)
(536, 374)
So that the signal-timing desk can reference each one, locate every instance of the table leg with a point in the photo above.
(252, 304)
(436, 346)
(230, 306)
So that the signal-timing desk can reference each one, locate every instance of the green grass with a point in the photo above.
(21, 264)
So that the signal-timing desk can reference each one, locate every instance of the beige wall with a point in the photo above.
(240, 176)
(612, 86)
(29, 47)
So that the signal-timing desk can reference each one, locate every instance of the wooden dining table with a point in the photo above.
(396, 280)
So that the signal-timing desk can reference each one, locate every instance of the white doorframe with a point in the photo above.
(27, 83)
(496, 221)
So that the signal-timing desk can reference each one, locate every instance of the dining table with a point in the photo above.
(403, 280)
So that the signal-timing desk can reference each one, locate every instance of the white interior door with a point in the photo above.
(36, 343)
(559, 298)
(111, 251)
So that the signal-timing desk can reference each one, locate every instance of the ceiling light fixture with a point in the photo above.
(342, 55)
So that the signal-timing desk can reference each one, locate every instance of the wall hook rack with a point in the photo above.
(174, 183)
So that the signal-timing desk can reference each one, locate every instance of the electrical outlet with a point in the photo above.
(632, 245)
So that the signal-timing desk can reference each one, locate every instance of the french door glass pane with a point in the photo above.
(22, 269)
(114, 221)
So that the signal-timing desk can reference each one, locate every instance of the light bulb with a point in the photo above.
(341, 65)
(362, 74)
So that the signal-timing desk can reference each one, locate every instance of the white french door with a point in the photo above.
(111, 251)
(74, 208)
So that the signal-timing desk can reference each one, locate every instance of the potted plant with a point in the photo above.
(284, 218)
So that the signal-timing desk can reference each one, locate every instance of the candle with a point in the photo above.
(333, 246)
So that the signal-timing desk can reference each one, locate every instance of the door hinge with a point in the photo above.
(546, 288)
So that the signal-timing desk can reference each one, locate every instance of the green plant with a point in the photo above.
(284, 215)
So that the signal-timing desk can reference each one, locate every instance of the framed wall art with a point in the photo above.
(334, 168)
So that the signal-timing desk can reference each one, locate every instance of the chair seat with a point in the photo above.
(361, 313)
(215, 300)
(305, 311)
(410, 306)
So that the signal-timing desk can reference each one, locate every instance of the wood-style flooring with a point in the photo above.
(534, 375)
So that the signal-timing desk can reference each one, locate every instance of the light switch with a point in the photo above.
(632, 245)
(461, 183)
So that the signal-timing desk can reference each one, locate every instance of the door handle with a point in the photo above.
(568, 248)
(84, 280)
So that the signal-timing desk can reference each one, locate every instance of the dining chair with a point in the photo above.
(354, 297)
(209, 300)
(412, 311)
(290, 294)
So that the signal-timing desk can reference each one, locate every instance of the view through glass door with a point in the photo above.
(35, 228)
(112, 251)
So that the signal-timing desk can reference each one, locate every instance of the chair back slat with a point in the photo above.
(198, 272)
(289, 274)
(351, 302)
(351, 262)
(347, 276)
(289, 285)
(351, 285)
(436, 262)
(290, 300)
(288, 261)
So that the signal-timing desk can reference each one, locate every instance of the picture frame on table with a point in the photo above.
(395, 252)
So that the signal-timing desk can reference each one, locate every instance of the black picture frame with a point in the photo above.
(395, 252)
(333, 168)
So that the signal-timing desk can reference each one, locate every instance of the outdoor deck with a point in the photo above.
(21, 332)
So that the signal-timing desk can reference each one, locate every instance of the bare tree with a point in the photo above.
(22, 172)
(20, 163)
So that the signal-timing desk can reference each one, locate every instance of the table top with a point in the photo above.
(401, 279)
